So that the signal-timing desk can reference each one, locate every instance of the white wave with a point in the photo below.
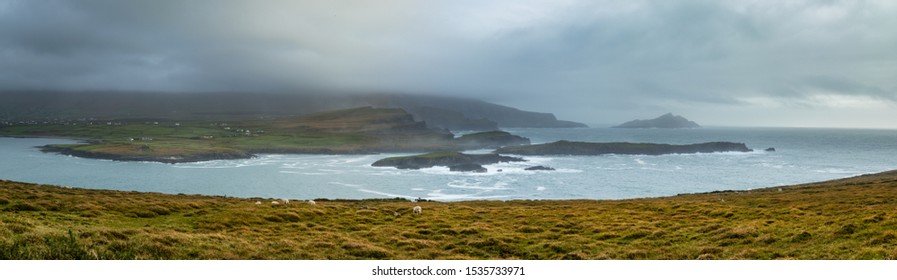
(303, 173)
(567, 170)
(440, 196)
(540, 188)
(385, 194)
(837, 171)
(344, 184)
(477, 186)
(770, 165)
(357, 159)
(262, 160)
(330, 170)
(417, 189)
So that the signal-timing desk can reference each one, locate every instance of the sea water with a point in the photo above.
(802, 155)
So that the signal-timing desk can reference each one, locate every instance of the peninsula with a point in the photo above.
(350, 131)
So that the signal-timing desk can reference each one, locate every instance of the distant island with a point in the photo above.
(621, 148)
(668, 120)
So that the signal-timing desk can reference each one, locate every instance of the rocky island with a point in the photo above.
(621, 148)
(455, 161)
(668, 120)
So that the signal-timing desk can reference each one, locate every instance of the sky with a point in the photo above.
(724, 63)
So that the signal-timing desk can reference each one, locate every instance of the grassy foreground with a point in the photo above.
(853, 218)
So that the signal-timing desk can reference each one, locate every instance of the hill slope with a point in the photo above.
(851, 218)
(439, 112)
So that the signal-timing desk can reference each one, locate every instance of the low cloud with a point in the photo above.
(605, 61)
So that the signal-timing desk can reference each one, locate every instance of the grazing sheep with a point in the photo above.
(275, 202)
(312, 202)
(417, 210)
(258, 202)
(285, 201)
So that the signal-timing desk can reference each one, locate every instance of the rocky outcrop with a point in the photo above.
(468, 167)
(539, 168)
(622, 148)
(447, 159)
(490, 140)
(666, 121)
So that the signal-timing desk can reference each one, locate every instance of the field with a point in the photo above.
(853, 218)
(359, 130)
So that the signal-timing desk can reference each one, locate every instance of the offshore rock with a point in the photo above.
(447, 159)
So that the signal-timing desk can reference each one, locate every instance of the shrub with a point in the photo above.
(25, 206)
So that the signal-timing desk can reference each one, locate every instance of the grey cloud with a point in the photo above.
(607, 60)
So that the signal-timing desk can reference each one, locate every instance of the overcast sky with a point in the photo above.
(743, 63)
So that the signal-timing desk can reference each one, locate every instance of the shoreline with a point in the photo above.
(892, 172)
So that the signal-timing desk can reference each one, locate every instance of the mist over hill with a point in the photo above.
(438, 112)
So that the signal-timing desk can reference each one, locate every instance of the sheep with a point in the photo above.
(285, 201)
(312, 202)
(417, 210)
(275, 202)
(258, 202)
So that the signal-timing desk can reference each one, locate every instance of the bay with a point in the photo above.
(802, 155)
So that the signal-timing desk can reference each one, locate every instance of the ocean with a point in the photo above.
(802, 155)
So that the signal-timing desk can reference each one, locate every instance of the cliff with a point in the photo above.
(490, 140)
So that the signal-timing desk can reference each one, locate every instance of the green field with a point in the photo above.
(852, 218)
(359, 130)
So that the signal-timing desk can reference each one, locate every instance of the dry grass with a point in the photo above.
(845, 219)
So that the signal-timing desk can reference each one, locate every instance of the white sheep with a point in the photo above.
(275, 202)
(417, 210)
(258, 202)
(311, 202)
(285, 201)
